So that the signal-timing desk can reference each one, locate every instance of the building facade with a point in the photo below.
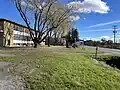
(13, 34)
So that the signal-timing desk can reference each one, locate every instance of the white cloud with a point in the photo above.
(23, 3)
(104, 24)
(88, 6)
(95, 39)
(91, 38)
(84, 18)
(106, 37)
(99, 30)
(74, 18)
(32, 4)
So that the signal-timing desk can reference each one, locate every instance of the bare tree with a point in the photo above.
(61, 31)
(43, 16)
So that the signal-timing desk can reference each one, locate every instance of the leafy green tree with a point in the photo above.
(103, 40)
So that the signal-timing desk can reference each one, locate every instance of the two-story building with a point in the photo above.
(13, 34)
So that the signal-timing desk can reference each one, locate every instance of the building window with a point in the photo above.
(1, 28)
(22, 37)
(18, 28)
(16, 37)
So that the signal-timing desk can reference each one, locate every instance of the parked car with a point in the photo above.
(77, 44)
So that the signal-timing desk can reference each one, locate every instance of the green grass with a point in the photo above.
(58, 68)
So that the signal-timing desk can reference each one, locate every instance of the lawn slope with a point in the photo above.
(62, 69)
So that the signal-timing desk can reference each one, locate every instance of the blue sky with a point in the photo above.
(90, 25)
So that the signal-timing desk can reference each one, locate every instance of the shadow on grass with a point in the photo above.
(113, 61)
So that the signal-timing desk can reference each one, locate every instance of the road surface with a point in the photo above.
(106, 50)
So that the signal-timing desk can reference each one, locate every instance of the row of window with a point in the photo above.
(22, 37)
(18, 28)
(23, 44)
(1, 27)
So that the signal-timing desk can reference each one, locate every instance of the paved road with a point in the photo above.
(106, 50)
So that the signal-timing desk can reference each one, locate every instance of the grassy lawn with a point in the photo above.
(58, 68)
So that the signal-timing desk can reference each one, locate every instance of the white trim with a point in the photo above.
(21, 33)
(20, 41)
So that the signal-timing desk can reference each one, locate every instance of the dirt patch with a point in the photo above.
(9, 81)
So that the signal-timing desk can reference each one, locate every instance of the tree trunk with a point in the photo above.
(48, 41)
(67, 46)
(35, 45)
(55, 40)
(35, 42)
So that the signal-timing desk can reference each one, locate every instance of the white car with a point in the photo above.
(77, 44)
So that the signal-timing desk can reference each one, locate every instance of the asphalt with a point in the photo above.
(106, 50)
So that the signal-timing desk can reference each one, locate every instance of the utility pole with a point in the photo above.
(114, 32)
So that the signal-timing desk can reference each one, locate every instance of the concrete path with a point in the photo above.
(8, 81)
(6, 55)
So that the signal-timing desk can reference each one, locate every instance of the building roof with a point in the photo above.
(2, 19)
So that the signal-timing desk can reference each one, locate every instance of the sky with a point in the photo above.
(95, 18)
